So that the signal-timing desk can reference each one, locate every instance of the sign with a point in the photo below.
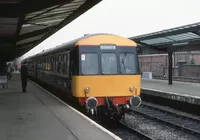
(83, 57)
(107, 47)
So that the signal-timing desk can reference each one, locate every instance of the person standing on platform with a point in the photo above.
(24, 75)
(9, 71)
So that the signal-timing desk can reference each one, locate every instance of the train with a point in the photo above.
(100, 72)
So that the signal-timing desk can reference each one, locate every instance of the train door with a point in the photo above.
(71, 67)
(74, 65)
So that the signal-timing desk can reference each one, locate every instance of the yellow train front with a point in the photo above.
(105, 74)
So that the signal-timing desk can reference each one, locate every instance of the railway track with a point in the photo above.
(140, 134)
(124, 130)
(185, 122)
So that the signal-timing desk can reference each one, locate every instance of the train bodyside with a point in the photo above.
(52, 68)
(98, 70)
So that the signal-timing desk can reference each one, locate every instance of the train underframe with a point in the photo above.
(110, 107)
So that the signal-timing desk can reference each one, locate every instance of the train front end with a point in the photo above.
(107, 79)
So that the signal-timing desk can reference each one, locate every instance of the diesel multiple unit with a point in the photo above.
(99, 71)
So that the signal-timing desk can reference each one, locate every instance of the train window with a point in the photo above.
(43, 64)
(128, 63)
(32, 65)
(49, 64)
(44, 67)
(59, 64)
(40, 64)
(68, 62)
(55, 64)
(52, 66)
(57, 67)
(109, 63)
(89, 63)
(62, 70)
(64, 64)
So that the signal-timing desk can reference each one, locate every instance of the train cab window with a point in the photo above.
(128, 63)
(89, 63)
(109, 63)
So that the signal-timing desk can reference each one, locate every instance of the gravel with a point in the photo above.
(157, 130)
(121, 131)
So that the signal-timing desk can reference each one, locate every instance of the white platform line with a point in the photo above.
(81, 114)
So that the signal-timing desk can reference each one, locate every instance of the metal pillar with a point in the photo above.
(170, 68)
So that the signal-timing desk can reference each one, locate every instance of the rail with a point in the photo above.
(190, 124)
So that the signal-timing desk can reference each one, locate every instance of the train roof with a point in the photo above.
(92, 38)
(106, 39)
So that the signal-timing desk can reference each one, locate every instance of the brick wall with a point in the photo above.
(158, 64)
(191, 70)
(154, 64)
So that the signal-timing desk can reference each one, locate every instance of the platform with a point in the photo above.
(180, 91)
(37, 115)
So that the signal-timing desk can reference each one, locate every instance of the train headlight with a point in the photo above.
(131, 88)
(87, 89)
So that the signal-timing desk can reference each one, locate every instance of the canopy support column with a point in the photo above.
(170, 68)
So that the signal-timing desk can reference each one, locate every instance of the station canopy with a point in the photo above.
(26, 23)
(183, 38)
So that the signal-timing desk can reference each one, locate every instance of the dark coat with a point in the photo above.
(24, 71)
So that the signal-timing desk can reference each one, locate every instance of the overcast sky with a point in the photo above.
(126, 18)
